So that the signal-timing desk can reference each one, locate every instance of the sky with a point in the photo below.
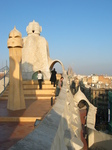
(79, 32)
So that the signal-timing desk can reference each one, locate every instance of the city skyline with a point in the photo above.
(79, 33)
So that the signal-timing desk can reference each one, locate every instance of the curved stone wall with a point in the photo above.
(60, 129)
(91, 116)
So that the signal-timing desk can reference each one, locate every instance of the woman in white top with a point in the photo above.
(40, 77)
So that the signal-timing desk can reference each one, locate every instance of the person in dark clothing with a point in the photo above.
(53, 77)
(73, 87)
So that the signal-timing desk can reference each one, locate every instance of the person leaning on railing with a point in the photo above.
(60, 84)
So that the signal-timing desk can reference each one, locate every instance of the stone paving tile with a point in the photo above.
(11, 132)
(34, 108)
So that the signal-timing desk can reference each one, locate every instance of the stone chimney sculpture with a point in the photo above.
(35, 53)
(16, 96)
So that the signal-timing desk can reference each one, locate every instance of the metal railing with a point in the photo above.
(4, 78)
(6, 68)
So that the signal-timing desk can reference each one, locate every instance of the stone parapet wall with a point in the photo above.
(60, 129)
(99, 140)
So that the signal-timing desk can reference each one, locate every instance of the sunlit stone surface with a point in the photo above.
(35, 53)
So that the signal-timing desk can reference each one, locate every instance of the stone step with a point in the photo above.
(39, 92)
(19, 119)
(35, 87)
(32, 82)
(34, 92)
(39, 97)
(48, 87)
(33, 97)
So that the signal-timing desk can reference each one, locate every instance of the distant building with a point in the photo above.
(96, 89)
(98, 81)
(104, 80)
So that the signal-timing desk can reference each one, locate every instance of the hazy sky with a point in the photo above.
(79, 32)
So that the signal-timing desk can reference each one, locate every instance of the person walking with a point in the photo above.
(40, 79)
(53, 77)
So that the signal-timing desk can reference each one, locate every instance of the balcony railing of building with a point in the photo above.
(4, 78)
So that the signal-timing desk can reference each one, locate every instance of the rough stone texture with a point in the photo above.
(15, 97)
(35, 53)
(91, 116)
(99, 141)
(60, 129)
(15, 39)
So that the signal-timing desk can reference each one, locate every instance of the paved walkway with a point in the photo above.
(11, 132)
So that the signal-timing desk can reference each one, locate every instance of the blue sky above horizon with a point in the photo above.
(79, 32)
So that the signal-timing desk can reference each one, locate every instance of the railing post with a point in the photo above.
(4, 80)
(36, 122)
(51, 101)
